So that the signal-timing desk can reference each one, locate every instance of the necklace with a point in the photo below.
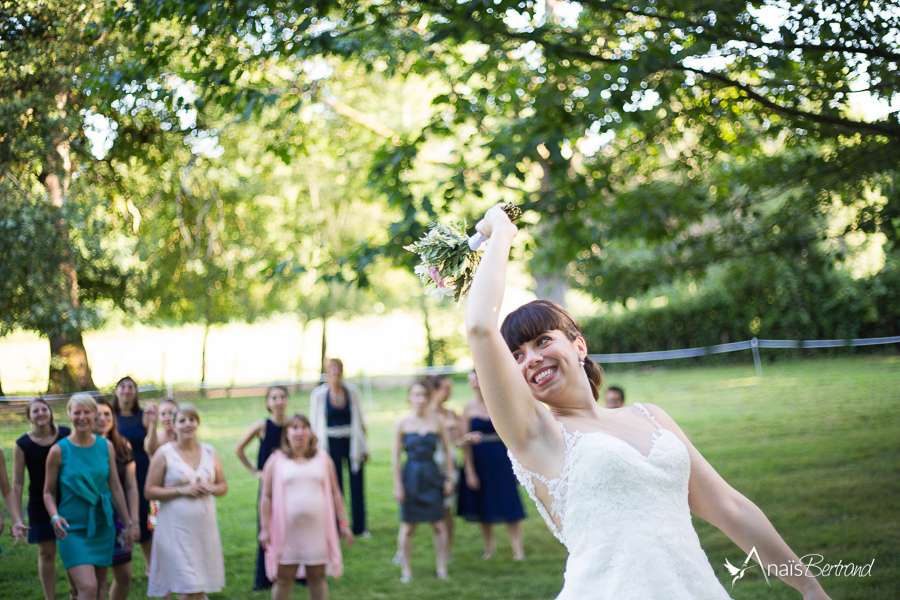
(192, 458)
(43, 439)
(337, 400)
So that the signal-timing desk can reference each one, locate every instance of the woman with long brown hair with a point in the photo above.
(30, 455)
(138, 426)
(126, 535)
(300, 537)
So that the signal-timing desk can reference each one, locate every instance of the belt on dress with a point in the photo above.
(339, 431)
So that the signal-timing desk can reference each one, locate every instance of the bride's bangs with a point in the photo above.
(531, 320)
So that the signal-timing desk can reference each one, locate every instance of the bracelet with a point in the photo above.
(54, 518)
(343, 523)
(177, 491)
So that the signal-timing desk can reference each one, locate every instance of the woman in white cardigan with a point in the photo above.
(337, 420)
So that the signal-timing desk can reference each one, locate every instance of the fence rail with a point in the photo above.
(752, 344)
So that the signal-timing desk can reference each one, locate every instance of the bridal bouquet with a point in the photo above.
(450, 257)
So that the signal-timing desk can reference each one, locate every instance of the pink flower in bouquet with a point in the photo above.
(441, 288)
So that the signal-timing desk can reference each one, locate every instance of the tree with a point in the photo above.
(611, 121)
(56, 270)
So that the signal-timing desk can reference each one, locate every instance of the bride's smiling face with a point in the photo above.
(549, 363)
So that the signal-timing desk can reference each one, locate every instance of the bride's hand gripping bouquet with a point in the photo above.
(449, 256)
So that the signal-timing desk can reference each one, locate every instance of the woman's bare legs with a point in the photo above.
(315, 581)
(516, 540)
(147, 549)
(47, 568)
(121, 584)
(404, 541)
(448, 519)
(490, 544)
(440, 547)
(90, 581)
(284, 582)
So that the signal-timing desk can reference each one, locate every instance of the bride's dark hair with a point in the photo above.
(531, 320)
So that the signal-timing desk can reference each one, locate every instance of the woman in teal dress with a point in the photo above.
(82, 465)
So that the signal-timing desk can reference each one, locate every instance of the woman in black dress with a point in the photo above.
(268, 431)
(30, 454)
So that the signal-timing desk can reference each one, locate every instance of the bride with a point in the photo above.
(617, 487)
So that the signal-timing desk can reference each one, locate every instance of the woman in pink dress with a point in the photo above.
(300, 537)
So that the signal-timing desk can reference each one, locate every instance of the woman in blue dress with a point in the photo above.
(488, 490)
(419, 486)
(138, 426)
(335, 409)
(82, 465)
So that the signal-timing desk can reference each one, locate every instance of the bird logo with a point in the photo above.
(738, 572)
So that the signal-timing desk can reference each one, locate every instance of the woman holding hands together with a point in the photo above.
(185, 476)
(616, 486)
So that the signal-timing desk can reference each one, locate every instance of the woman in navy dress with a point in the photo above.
(488, 491)
(268, 431)
(419, 485)
(30, 454)
(138, 426)
(335, 409)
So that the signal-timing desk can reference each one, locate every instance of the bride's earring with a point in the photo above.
(581, 361)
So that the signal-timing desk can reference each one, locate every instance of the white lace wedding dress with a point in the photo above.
(625, 520)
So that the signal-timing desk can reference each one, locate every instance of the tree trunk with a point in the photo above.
(203, 361)
(429, 360)
(324, 346)
(69, 368)
(551, 287)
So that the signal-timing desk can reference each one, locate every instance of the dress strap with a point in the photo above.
(647, 414)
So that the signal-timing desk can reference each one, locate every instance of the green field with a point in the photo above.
(816, 444)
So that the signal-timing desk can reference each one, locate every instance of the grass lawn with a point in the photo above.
(816, 444)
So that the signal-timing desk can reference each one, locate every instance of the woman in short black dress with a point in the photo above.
(30, 454)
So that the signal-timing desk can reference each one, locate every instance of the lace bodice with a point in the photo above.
(625, 519)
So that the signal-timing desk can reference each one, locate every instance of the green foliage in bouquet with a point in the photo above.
(448, 262)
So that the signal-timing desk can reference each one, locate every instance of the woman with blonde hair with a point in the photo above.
(83, 465)
(185, 476)
(166, 409)
(30, 455)
(298, 509)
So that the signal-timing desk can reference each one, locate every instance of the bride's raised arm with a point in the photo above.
(515, 412)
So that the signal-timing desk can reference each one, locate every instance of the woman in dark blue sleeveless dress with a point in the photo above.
(419, 486)
(488, 489)
(268, 431)
(138, 426)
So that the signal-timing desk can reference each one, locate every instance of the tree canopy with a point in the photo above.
(648, 138)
